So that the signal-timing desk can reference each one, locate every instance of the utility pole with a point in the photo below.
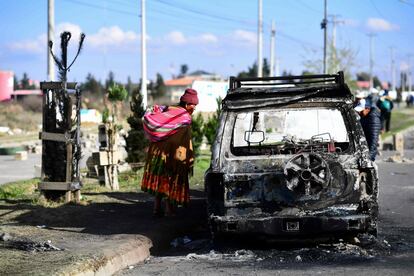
(371, 60)
(143, 57)
(277, 70)
(50, 37)
(272, 49)
(409, 73)
(324, 26)
(393, 76)
(335, 21)
(260, 42)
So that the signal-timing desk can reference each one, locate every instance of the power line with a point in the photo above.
(310, 7)
(376, 8)
(407, 3)
(103, 8)
(212, 17)
(177, 17)
(192, 10)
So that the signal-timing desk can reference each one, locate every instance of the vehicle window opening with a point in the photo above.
(290, 131)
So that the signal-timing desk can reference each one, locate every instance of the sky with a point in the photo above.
(218, 36)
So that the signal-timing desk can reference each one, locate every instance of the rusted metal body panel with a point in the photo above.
(300, 191)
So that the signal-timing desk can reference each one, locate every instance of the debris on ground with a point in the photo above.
(398, 158)
(179, 242)
(5, 237)
(28, 245)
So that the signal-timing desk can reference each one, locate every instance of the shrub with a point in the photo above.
(32, 103)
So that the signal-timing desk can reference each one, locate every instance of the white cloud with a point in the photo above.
(176, 38)
(404, 66)
(75, 30)
(39, 44)
(351, 22)
(380, 25)
(111, 36)
(207, 38)
(106, 36)
(33, 46)
(246, 37)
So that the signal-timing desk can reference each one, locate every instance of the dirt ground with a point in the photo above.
(33, 232)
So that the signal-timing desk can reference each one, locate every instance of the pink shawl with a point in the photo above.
(161, 122)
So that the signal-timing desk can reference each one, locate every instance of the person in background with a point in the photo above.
(386, 105)
(170, 155)
(370, 121)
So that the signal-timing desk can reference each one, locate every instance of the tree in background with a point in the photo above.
(266, 68)
(252, 71)
(25, 82)
(159, 88)
(210, 127)
(110, 80)
(92, 85)
(364, 76)
(197, 132)
(340, 59)
(136, 141)
(128, 87)
(183, 70)
(15, 83)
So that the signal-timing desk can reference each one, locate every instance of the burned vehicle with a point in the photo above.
(290, 160)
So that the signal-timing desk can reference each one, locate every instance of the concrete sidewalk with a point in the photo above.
(108, 232)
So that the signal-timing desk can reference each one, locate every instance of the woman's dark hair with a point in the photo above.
(182, 104)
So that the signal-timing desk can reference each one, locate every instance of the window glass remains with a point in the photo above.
(290, 131)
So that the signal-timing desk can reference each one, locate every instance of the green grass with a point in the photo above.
(401, 119)
(20, 190)
(201, 165)
(128, 182)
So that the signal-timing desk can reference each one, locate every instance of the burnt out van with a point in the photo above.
(290, 160)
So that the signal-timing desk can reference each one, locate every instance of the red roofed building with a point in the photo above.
(176, 87)
(363, 85)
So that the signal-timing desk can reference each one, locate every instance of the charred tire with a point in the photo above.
(307, 174)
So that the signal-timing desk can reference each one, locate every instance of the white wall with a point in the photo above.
(208, 92)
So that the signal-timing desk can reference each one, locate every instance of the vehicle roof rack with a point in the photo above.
(286, 80)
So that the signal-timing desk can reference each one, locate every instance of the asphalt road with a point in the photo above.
(391, 254)
(14, 170)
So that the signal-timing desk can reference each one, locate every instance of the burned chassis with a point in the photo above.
(350, 209)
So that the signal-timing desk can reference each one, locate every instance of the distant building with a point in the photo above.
(7, 91)
(209, 88)
(6, 85)
(364, 85)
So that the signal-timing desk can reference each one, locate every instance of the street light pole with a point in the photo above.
(324, 25)
(272, 50)
(143, 57)
(260, 42)
(393, 77)
(50, 37)
(371, 61)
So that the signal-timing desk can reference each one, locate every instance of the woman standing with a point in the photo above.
(170, 155)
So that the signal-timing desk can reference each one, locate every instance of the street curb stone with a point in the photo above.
(110, 260)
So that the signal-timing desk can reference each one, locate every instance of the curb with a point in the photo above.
(112, 259)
